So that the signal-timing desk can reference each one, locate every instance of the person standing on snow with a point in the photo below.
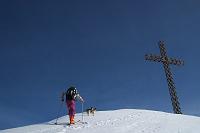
(71, 96)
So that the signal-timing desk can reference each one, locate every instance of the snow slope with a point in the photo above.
(119, 121)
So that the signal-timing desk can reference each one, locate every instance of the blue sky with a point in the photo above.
(98, 46)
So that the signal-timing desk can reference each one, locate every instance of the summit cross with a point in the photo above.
(166, 62)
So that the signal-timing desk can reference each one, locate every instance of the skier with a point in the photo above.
(71, 96)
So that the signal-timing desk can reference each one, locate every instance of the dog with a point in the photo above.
(91, 110)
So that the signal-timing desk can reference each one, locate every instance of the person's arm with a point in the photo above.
(78, 97)
(62, 96)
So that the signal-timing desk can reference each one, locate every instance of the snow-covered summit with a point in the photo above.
(118, 121)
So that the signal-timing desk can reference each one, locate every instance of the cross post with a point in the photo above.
(166, 62)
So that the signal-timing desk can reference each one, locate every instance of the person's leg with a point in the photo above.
(71, 110)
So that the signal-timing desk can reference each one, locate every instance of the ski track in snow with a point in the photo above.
(119, 121)
(102, 123)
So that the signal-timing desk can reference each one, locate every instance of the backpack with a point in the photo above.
(71, 92)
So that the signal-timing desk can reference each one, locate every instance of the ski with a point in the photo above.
(77, 123)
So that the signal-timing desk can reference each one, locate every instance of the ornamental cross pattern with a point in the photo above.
(166, 62)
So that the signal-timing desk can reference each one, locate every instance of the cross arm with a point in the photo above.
(158, 58)
(175, 61)
(151, 57)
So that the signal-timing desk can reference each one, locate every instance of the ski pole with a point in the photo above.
(82, 112)
(58, 112)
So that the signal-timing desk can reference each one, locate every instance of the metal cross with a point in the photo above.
(166, 62)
